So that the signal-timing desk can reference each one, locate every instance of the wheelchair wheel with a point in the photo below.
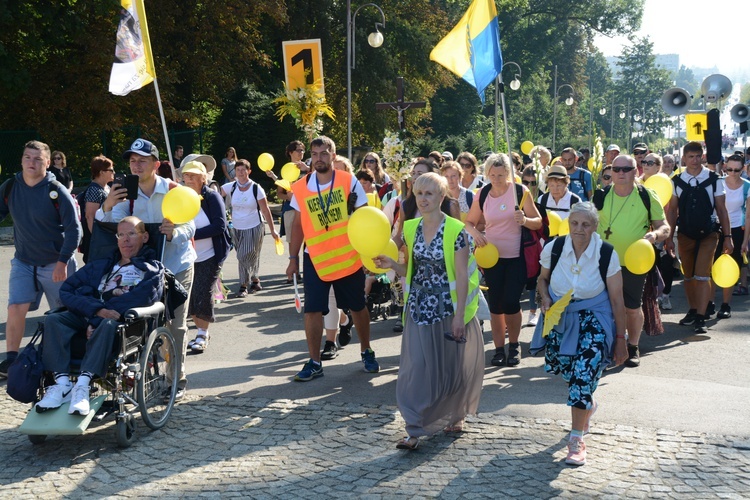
(125, 431)
(156, 387)
(37, 438)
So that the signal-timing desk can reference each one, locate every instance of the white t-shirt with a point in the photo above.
(735, 205)
(694, 181)
(203, 247)
(120, 280)
(245, 213)
(582, 276)
(313, 186)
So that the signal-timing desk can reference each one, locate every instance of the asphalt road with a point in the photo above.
(686, 382)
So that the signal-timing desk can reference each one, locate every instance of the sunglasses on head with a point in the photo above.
(649, 163)
(528, 183)
(617, 170)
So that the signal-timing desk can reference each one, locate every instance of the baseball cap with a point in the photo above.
(613, 147)
(447, 155)
(193, 167)
(557, 171)
(641, 146)
(141, 147)
(208, 161)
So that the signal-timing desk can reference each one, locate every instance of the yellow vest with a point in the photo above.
(453, 228)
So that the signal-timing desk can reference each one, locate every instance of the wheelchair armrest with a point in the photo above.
(56, 310)
(141, 312)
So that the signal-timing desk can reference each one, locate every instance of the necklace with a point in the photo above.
(326, 206)
(608, 232)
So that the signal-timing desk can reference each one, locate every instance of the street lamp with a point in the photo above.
(602, 104)
(375, 39)
(515, 84)
(621, 114)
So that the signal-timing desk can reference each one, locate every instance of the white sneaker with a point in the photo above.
(55, 396)
(79, 401)
(533, 319)
(666, 304)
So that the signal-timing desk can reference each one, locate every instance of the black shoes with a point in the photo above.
(710, 310)
(725, 312)
(689, 318)
(700, 325)
(514, 354)
(330, 351)
(345, 331)
(634, 358)
(499, 358)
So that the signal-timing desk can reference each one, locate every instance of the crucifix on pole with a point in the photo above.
(400, 105)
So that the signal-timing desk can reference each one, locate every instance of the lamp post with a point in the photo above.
(602, 106)
(621, 114)
(515, 84)
(568, 101)
(375, 39)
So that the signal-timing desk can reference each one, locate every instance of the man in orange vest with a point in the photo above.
(321, 201)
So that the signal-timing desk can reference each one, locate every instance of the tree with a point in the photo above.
(686, 79)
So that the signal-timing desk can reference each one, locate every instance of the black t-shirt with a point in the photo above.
(63, 176)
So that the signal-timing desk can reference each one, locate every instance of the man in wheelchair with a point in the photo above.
(96, 297)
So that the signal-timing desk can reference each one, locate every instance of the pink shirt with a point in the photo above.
(501, 230)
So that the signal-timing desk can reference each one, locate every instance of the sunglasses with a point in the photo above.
(606, 177)
(529, 183)
(465, 165)
(735, 170)
(639, 153)
(370, 160)
(300, 151)
(57, 158)
(617, 170)
(648, 163)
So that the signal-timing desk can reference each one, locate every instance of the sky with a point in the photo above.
(697, 30)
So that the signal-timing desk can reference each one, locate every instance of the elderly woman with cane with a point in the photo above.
(586, 326)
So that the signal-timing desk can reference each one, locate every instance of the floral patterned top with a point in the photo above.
(430, 297)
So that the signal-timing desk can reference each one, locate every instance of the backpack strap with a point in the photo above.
(8, 189)
(646, 199)
(544, 200)
(605, 255)
(557, 247)
(483, 195)
(234, 188)
(53, 187)
(599, 196)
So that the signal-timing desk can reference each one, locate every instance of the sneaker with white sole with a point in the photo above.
(666, 304)
(576, 452)
(54, 397)
(533, 319)
(79, 400)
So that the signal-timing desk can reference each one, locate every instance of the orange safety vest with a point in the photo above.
(328, 247)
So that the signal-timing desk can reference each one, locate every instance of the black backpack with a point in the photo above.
(696, 207)
(605, 255)
(600, 194)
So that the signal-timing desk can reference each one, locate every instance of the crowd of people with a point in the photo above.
(442, 212)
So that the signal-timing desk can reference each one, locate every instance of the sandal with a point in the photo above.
(408, 443)
(199, 344)
(455, 428)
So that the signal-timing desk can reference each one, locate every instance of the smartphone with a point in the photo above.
(129, 182)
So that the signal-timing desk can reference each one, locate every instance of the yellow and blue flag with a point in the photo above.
(472, 49)
(134, 64)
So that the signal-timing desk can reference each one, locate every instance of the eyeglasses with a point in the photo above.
(606, 177)
(370, 160)
(617, 170)
(649, 163)
(735, 170)
(131, 234)
(529, 183)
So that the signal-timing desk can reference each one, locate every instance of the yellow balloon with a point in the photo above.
(554, 223)
(725, 271)
(284, 184)
(369, 231)
(591, 163)
(555, 161)
(526, 147)
(290, 172)
(564, 227)
(265, 162)
(486, 256)
(373, 200)
(181, 205)
(662, 186)
(391, 250)
(639, 257)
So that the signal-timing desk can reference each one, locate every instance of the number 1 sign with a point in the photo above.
(303, 63)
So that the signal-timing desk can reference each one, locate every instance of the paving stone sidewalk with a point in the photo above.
(256, 448)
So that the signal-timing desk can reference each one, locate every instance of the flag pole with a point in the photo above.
(501, 88)
(164, 127)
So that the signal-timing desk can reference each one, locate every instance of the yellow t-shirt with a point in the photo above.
(624, 219)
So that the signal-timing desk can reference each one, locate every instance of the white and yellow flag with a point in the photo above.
(134, 64)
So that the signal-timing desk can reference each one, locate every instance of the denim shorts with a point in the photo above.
(29, 282)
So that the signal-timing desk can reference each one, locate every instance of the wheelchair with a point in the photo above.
(141, 378)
